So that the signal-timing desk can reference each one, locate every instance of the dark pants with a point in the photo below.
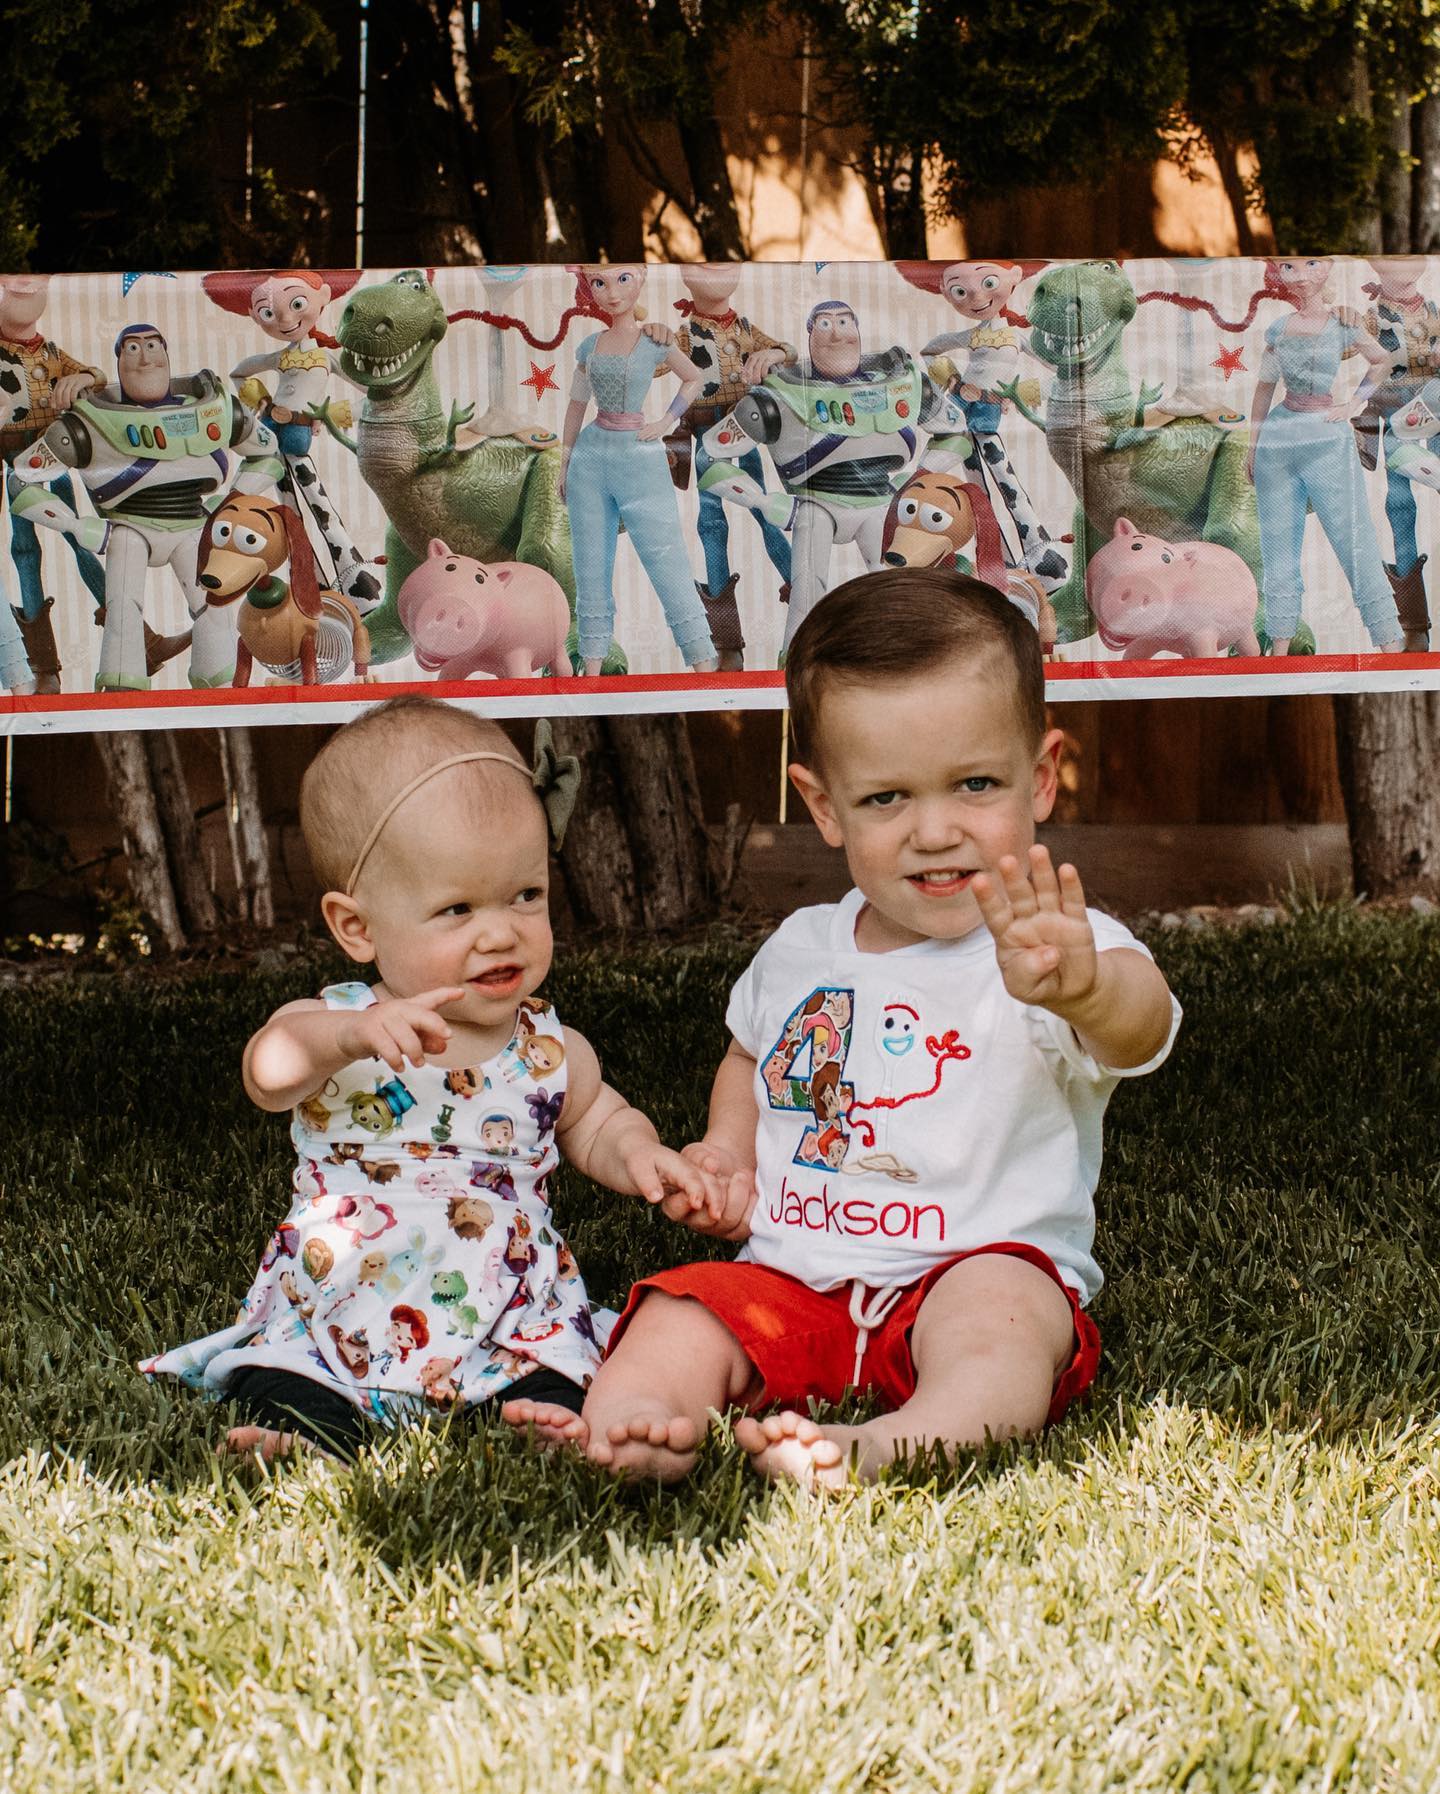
(295, 1404)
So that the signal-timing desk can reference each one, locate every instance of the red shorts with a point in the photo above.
(803, 1342)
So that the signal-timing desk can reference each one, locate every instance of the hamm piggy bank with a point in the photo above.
(507, 619)
(1195, 598)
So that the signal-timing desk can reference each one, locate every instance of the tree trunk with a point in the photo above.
(127, 772)
(1227, 160)
(637, 853)
(714, 212)
(1387, 745)
(1388, 742)
(416, 125)
(902, 199)
(182, 836)
(597, 860)
(1395, 186)
(506, 175)
(562, 165)
(1425, 181)
(668, 840)
(1371, 227)
(249, 852)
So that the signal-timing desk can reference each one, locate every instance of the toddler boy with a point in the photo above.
(908, 1119)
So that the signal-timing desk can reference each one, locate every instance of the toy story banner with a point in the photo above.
(270, 496)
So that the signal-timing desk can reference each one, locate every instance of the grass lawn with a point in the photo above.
(1222, 1575)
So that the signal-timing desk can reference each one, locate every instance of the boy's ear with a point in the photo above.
(1047, 774)
(817, 801)
(346, 921)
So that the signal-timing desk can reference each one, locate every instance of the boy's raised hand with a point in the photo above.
(397, 1028)
(1043, 940)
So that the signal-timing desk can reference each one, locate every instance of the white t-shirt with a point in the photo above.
(911, 1109)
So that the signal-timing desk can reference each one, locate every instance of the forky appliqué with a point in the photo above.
(944, 1050)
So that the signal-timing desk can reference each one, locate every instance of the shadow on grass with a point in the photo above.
(1268, 1218)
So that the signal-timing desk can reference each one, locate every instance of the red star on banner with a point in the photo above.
(1229, 363)
(542, 379)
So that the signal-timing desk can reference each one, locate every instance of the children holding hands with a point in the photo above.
(904, 1135)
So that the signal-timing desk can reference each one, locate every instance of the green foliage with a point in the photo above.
(1310, 84)
(1001, 97)
(1026, 92)
(109, 158)
(1293, 139)
(1220, 1575)
(657, 59)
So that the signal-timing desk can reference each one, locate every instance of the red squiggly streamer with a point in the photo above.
(502, 322)
(1190, 302)
(582, 308)
(943, 1051)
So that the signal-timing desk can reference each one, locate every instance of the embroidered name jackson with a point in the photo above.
(855, 1215)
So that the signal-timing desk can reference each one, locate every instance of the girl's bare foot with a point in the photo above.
(264, 1441)
(649, 1443)
(552, 1424)
(790, 1447)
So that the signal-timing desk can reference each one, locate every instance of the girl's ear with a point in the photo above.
(819, 803)
(346, 921)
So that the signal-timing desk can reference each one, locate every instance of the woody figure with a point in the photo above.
(733, 356)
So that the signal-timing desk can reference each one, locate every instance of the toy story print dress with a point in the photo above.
(418, 1265)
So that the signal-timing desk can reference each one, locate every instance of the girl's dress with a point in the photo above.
(614, 478)
(1306, 461)
(418, 1266)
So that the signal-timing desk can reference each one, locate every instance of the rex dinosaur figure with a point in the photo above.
(1182, 478)
(493, 498)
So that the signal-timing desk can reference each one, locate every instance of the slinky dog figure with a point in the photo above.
(936, 517)
(298, 632)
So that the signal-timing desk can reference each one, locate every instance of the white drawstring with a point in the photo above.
(866, 1316)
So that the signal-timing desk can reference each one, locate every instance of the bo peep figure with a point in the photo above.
(615, 471)
(1303, 457)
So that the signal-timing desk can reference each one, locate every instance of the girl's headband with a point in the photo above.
(555, 778)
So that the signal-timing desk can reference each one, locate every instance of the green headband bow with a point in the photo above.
(556, 778)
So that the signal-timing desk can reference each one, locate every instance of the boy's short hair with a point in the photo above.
(900, 623)
(364, 764)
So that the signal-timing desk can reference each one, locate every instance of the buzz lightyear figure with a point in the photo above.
(842, 430)
(156, 454)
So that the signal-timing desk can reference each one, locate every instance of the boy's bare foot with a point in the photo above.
(552, 1424)
(789, 1447)
(649, 1443)
(264, 1441)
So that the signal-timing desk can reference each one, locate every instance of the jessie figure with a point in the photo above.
(980, 361)
(614, 470)
(1303, 456)
(287, 305)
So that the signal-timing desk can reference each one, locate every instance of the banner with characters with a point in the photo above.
(259, 496)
